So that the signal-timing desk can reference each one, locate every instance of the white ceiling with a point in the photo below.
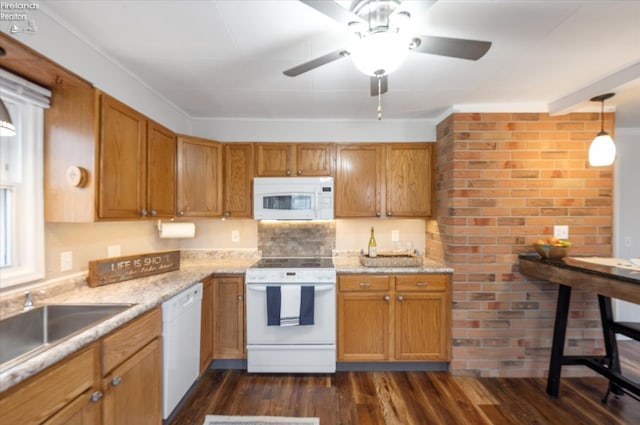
(224, 58)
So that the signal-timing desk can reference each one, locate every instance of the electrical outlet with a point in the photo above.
(66, 261)
(395, 236)
(627, 242)
(561, 232)
(235, 236)
(113, 251)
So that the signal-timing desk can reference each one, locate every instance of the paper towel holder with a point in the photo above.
(162, 230)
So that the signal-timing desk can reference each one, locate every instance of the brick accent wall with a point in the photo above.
(504, 180)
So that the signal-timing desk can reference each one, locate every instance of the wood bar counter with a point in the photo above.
(605, 281)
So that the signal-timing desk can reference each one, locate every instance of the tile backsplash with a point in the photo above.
(297, 238)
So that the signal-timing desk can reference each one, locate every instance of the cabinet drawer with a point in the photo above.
(363, 282)
(421, 282)
(124, 342)
(39, 397)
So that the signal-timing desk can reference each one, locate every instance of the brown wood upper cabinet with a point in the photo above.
(383, 179)
(238, 177)
(297, 159)
(137, 164)
(199, 177)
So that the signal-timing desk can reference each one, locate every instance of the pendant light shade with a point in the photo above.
(602, 151)
(6, 126)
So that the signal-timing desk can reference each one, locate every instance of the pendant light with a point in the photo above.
(6, 126)
(602, 150)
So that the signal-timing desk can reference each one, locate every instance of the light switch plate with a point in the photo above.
(561, 232)
(395, 236)
(66, 261)
(235, 236)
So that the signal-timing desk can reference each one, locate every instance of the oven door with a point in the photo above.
(323, 331)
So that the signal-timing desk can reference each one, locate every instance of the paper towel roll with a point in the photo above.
(177, 230)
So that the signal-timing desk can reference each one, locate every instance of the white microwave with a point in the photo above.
(293, 198)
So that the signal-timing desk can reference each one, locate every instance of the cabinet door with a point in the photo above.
(314, 159)
(199, 177)
(161, 171)
(408, 174)
(238, 178)
(228, 318)
(122, 180)
(81, 411)
(133, 391)
(274, 159)
(363, 326)
(206, 325)
(422, 317)
(359, 180)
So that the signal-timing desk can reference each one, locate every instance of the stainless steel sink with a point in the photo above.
(34, 330)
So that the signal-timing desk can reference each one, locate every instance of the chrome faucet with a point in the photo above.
(28, 301)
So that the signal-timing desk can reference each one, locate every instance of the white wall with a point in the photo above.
(626, 231)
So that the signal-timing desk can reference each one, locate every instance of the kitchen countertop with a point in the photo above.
(148, 292)
(145, 293)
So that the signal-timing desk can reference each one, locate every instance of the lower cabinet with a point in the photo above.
(60, 394)
(117, 380)
(394, 317)
(132, 372)
(229, 317)
(206, 324)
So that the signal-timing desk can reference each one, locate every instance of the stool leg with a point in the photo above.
(610, 344)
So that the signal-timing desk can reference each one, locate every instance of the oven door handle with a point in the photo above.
(263, 288)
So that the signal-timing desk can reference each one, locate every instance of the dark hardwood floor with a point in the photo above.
(408, 398)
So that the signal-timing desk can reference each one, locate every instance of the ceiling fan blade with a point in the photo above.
(374, 85)
(453, 47)
(315, 63)
(333, 10)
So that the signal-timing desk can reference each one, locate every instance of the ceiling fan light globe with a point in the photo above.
(602, 151)
(378, 51)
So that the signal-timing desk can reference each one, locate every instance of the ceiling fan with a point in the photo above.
(380, 40)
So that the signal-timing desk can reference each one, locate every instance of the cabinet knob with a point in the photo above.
(239, 297)
(154, 213)
(364, 284)
(378, 214)
(387, 297)
(226, 214)
(115, 381)
(143, 213)
(181, 212)
(421, 284)
(400, 298)
(95, 396)
(389, 214)
(288, 172)
(299, 172)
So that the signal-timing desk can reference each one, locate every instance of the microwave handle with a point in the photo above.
(263, 288)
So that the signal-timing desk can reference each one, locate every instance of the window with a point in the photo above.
(21, 182)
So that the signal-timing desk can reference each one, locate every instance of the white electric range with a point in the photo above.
(291, 349)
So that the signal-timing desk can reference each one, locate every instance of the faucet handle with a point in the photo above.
(28, 300)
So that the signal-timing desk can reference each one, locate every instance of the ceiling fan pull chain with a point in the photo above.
(379, 97)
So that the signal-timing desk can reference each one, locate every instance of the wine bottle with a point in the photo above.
(372, 245)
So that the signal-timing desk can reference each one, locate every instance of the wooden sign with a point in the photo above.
(118, 269)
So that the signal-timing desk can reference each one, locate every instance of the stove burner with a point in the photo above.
(297, 263)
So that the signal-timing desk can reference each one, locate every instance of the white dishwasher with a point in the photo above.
(180, 345)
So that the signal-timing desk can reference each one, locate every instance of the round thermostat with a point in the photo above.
(76, 176)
